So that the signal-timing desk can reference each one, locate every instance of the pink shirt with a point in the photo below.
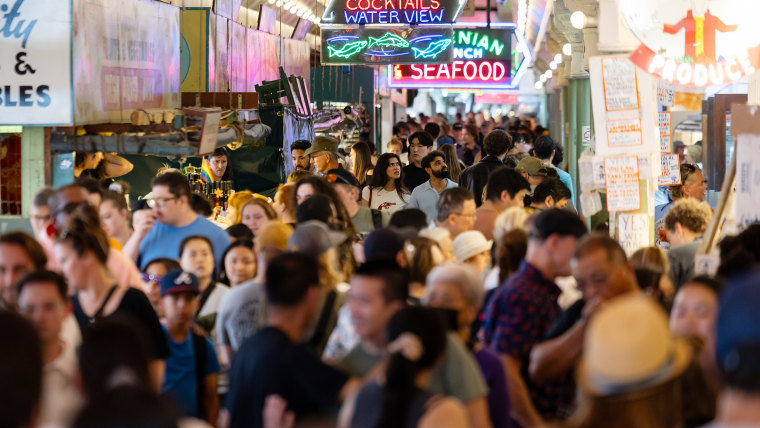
(121, 267)
(485, 217)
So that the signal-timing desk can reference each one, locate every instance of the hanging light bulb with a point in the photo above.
(549, 74)
(553, 65)
(316, 21)
(567, 49)
(538, 85)
(558, 58)
(299, 13)
(542, 78)
(293, 9)
(278, 3)
(271, 1)
(578, 19)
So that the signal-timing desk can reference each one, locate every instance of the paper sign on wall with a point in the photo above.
(633, 232)
(620, 88)
(598, 170)
(622, 182)
(624, 132)
(747, 180)
(665, 94)
(649, 166)
(664, 123)
(586, 135)
(671, 173)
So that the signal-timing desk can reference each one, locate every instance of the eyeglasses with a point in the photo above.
(152, 278)
(160, 202)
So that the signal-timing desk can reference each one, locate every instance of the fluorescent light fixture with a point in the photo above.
(567, 49)
(578, 19)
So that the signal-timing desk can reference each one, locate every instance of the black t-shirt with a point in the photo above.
(566, 320)
(134, 304)
(414, 176)
(269, 363)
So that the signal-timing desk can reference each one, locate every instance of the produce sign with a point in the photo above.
(483, 59)
(392, 12)
(695, 42)
(380, 46)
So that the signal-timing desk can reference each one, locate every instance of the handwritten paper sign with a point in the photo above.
(620, 89)
(633, 232)
(35, 63)
(649, 166)
(598, 169)
(671, 173)
(624, 132)
(664, 122)
(622, 181)
(665, 94)
(747, 180)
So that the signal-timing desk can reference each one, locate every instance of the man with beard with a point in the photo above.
(425, 196)
(301, 162)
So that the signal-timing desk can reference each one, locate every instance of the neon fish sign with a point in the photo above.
(378, 46)
(482, 59)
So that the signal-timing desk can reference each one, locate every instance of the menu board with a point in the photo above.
(664, 124)
(622, 183)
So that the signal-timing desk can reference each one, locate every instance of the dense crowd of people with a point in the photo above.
(448, 282)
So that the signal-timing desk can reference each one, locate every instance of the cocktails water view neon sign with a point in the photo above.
(376, 46)
(482, 58)
(392, 12)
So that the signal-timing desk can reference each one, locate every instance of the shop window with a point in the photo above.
(10, 174)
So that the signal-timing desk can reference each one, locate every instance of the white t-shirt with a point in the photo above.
(383, 200)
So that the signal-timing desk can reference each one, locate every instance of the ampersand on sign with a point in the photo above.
(21, 66)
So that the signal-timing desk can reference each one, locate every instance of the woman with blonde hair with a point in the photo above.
(256, 212)
(452, 161)
(422, 255)
(652, 273)
(685, 223)
(235, 206)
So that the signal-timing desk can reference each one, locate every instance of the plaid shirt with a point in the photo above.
(518, 316)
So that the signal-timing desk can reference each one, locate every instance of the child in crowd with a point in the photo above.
(196, 255)
(191, 369)
(151, 276)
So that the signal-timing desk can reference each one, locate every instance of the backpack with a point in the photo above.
(199, 349)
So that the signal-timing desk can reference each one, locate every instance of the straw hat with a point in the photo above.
(628, 347)
(469, 244)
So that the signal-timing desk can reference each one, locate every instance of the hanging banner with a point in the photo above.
(622, 182)
(35, 62)
(482, 60)
(623, 102)
(695, 42)
(126, 57)
(380, 46)
(392, 12)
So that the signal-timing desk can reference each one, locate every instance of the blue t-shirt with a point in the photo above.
(564, 177)
(163, 240)
(180, 383)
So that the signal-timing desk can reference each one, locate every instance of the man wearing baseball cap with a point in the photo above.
(192, 367)
(365, 219)
(324, 154)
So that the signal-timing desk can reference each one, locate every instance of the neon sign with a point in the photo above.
(392, 12)
(482, 58)
(380, 46)
(695, 42)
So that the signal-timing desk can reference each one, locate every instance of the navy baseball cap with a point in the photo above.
(445, 140)
(178, 281)
(340, 175)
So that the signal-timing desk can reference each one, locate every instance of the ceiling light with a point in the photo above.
(567, 49)
(578, 19)
(558, 58)
(542, 78)
(549, 74)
